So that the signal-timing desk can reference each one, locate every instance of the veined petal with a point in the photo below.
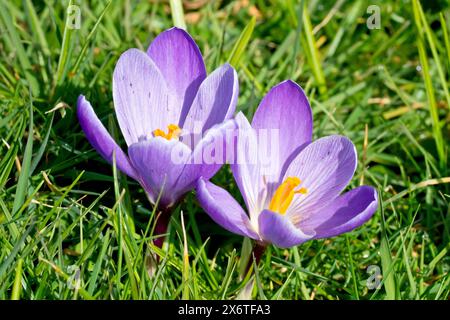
(325, 167)
(209, 155)
(223, 209)
(250, 168)
(285, 108)
(180, 61)
(215, 100)
(140, 97)
(279, 230)
(159, 163)
(345, 213)
(100, 139)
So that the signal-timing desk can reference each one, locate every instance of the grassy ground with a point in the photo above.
(71, 228)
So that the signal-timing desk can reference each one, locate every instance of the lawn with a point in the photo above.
(73, 227)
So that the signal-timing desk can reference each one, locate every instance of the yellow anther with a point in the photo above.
(285, 194)
(173, 131)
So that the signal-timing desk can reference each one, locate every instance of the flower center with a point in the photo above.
(173, 131)
(285, 194)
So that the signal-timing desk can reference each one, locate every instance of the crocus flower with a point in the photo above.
(301, 199)
(161, 98)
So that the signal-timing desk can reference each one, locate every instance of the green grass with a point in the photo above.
(72, 227)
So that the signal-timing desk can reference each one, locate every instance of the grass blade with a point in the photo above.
(88, 39)
(437, 133)
(17, 287)
(241, 44)
(313, 52)
(35, 26)
(176, 6)
(386, 260)
(22, 184)
(65, 50)
(18, 47)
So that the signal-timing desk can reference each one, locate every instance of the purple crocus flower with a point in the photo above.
(162, 98)
(301, 199)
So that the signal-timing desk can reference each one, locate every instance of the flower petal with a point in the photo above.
(100, 139)
(180, 61)
(325, 167)
(209, 155)
(344, 214)
(223, 209)
(140, 97)
(215, 100)
(279, 230)
(285, 108)
(249, 168)
(159, 163)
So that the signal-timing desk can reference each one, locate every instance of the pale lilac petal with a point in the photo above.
(223, 209)
(344, 214)
(286, 109)
(325, 167)
(215, 100)
(209, 155)
(100, 139)
(280, 231)
(249, 168)
(140, 97)
(178, 58)
(159, 163)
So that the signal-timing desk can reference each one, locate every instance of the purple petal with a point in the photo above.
(248, 168)
(279, 230)
(140, 97)
(159, 163)
(100, 139)
(223, 209)
(344, 214)
(215, 100)
(325, 167)
(208, 156)
(285, 108)
(178, 58)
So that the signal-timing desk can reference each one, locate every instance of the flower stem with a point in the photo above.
(162, 223)
(258, 250)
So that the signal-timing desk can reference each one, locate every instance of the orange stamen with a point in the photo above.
(173, 132)
(285, 194)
